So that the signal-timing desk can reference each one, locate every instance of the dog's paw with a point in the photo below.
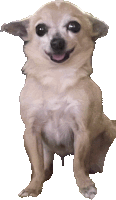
(33, 189)
(27, 193)
(89, 192)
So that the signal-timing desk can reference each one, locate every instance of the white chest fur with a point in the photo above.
(57, 128)
(53, 112)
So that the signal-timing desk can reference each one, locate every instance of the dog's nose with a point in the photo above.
(58, 44)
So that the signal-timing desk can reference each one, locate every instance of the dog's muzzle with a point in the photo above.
(58, 46)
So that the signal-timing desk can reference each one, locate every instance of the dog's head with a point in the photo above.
(58, 33)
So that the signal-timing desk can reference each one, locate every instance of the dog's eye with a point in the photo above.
(41, 29)
(73, 26)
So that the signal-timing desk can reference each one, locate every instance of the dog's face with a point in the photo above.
(58, 33)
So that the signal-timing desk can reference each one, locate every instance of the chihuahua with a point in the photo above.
(60, 105)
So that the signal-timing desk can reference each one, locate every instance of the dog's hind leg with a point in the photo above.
(114, 123)
(100, 147)
(110, 128)
(98, 153)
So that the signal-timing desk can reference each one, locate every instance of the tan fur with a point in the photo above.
(61, 105)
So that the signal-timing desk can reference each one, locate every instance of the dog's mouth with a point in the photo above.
(60, 57)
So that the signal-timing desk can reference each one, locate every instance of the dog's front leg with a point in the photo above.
(81, 151)
(33, 145)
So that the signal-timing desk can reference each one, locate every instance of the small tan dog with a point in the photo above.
(60, 105)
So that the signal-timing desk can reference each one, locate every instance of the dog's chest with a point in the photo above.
(57, 130)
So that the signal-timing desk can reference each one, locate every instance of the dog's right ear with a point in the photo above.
(17, 28)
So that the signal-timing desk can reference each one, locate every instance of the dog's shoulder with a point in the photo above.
(86, 90)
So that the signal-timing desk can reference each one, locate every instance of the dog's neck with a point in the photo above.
(58, 78)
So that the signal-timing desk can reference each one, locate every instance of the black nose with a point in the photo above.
(58, 44)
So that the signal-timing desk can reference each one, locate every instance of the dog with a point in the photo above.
(61, 106)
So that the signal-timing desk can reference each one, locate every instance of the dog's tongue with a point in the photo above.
(58, 57)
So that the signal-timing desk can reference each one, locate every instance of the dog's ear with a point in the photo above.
(17, 28)
(99, 28)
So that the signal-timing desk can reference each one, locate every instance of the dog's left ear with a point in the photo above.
(17, 28)
(99, 28)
